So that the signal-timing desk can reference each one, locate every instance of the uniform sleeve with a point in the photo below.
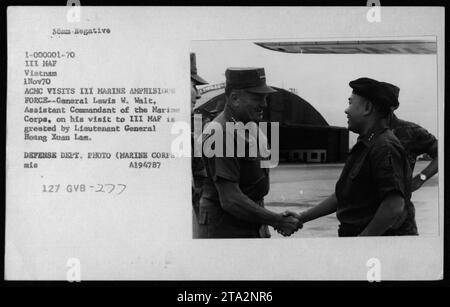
(224, 167)
(388, 170)
(423, 142)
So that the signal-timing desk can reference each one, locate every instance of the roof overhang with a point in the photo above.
(415, 46)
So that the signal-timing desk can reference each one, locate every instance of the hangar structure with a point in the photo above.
(305, 136)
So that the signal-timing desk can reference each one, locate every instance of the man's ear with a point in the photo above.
(234, 98)
(368, 109)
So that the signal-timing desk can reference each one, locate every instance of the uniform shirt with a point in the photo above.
(198, 170)
(198, 177)
(415, 139)
(253, 181)
(376, 166)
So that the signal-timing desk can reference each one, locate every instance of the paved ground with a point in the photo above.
(297, 187)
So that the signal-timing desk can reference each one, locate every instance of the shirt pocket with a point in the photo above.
(358, 165)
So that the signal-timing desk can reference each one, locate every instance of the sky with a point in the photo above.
(322, 79)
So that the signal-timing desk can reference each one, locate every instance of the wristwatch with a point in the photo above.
(423, 177)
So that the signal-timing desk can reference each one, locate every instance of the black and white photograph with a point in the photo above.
(345, 168)
(307, 146)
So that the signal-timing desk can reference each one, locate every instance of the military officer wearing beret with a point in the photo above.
(198, 169)
(372, 195)
(416, 140)
(232, 203)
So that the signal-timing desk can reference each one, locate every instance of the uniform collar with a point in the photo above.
(393, 121)
(368, 138)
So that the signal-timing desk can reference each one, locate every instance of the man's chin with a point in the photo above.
(352, 129)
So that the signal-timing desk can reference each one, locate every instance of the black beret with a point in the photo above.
(395, 89)
(375, 91)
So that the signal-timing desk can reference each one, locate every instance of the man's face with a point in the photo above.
(248, 107)
(194, 94)
(356, 112)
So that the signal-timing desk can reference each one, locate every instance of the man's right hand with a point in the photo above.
(288, 225)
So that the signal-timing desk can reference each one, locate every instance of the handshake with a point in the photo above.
(289, 223)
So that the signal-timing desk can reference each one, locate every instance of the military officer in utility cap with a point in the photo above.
(198, 169)
(372, 195)
(416, 140)
(232, 201)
